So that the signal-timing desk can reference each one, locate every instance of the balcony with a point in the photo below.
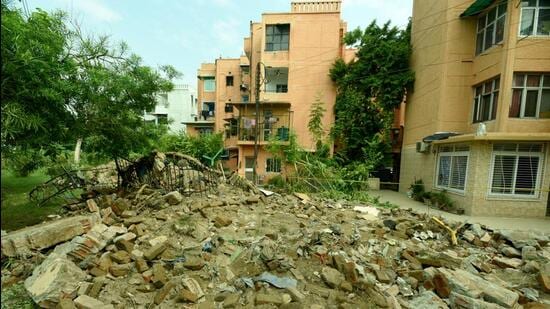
(271, 125)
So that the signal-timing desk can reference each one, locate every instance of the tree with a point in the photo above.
(60, 86)
(315, 125)
(371, 87)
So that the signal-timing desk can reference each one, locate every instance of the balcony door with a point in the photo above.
(249, 168)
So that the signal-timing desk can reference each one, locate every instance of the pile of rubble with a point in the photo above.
(246, 249)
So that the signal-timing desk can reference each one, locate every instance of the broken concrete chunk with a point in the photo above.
(507, 263)
(154, 251)
(163, 292)
(56, 276)
(332, 277)
(221, 221)
(264, 298)
(120, 205)
(187, 296)
(427, 300)
(87, 302)
(173, 198)
(46, 235)
(121, 257)
(92, 206)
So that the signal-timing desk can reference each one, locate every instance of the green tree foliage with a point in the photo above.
(371, 87)
(196, 146)
(59, 85)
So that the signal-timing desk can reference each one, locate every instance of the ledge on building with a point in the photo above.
(497, 136)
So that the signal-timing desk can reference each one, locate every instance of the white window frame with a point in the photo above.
(517, 154)
(537, 8)
(526, 88)
(494, 22)
(452, 154)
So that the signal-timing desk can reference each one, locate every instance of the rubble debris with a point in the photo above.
(239, 247)
(38, 237)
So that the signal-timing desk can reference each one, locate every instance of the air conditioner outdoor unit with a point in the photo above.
(422, 147)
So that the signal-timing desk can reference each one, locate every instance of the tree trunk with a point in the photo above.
(77, 151)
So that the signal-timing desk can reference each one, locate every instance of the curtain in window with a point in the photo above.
(516, 102)
(444, 171)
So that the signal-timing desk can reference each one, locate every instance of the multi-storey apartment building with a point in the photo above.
(175, 107)
(478, 118)
(288, 55)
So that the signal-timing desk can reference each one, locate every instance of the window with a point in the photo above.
(273, 165)
(245, 98)
(452, 166)
(209, 84)
(245, 69)
(162, 119)
(229, 81)
(485, 100)
(490, 28)
(228, 108)
(530, 96)
(282, 88)
(535, 17)
(277, 37)
(205, 131)
(516, 169)
(208, 109)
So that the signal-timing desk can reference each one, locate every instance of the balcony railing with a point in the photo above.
(271, 126)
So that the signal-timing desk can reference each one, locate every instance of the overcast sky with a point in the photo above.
(185, 33)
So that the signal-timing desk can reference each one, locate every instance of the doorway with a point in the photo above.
(249, 168)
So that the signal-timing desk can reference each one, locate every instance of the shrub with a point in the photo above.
(417, 190)
(23, 162)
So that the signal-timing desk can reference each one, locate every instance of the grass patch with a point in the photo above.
(17, 210)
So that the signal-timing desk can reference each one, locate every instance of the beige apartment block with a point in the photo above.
(294, 52)
(482, 72)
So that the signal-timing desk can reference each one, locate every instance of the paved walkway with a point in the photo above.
(524, 224)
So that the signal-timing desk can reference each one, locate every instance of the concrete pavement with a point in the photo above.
(523, 224)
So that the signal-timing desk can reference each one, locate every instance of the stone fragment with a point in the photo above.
(415, 264)
(154, 251)
(332, 277)
(468, 236)
(441, 286)
(84, 288)
(231, 301)
(120, 270)
(163, 292)
(264, 298)
(296, 295)
(173, 198)
(507, 262)
(37, 237)
(462, 301)
(193, 286)
(66, 303)
(193, 263)
(124, 245)
(121, 257)
(92, 206)
(427, 300)
(141, 265)
(97, 285)
(56, 276)
(159, 276)
(187, 296)
(221, 221)
(120, 205)
(252, 199)
(528, 253)
(87, 302)
(382, 275)
(510, 252)
(544, 277)
(470, 285)
(98, 272)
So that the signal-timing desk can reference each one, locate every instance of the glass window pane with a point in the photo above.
(527, 18)
(526, 176)
(497, 84)
(529, 3)
(531, 103)
(544, 111)
(546, 82)
(458, 174)
(479, 43)
(492, 15)
(503, 174)
(518, 80)
(502, 9)
(476, 109)
(481, 23)
(489, 36)
(488, 87)
(533, 80)
(284, 38)
(444, 171)
(543, 26)
(499, 36)
(544, 3)
(485, 107)
(284, 46)
(269, 30)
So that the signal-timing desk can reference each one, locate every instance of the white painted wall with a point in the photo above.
(179, 104)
